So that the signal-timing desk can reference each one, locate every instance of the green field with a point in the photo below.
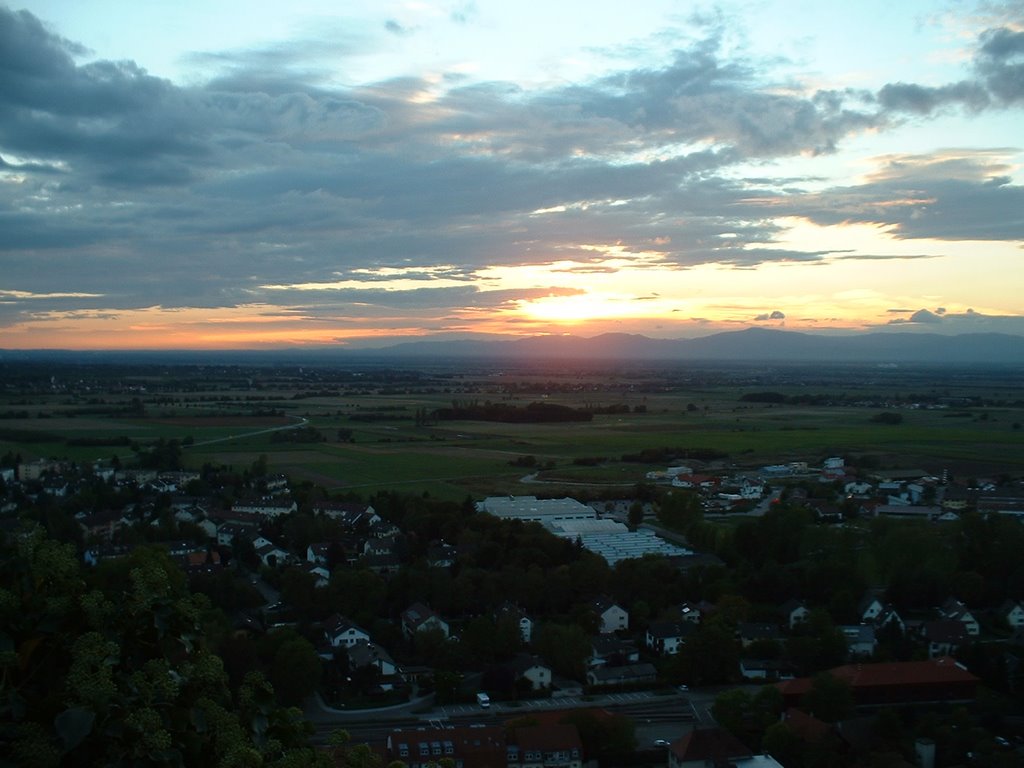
(381, 437)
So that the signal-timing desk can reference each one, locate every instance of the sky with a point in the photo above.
(220, 174)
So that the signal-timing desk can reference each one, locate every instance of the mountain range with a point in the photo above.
(752, 344)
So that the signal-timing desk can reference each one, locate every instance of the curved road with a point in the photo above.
(302, 421)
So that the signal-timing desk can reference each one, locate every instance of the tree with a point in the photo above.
(782, 743)
(887, 417)
(731, 709)
(565, 647)
(636, 515)
(710, 655)
(609, 739)
(747, 716)
(680, 510)
(121, 671)
(296, 670)
(829, 699)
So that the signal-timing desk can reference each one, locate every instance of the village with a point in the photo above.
(417, 601)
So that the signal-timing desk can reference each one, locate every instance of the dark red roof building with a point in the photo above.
(470, 747)
(706, 746)
(900, 682)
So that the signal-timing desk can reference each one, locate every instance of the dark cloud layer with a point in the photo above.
(267, 175)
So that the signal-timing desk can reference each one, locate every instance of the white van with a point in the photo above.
(483, 700)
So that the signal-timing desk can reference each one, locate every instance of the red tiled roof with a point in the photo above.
(715, 744)
(807, 727)
(547, 738)
(897, 674)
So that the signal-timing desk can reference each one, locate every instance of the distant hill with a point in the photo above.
(752, 344)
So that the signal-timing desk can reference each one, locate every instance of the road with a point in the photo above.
(302, 421)
(656, 716)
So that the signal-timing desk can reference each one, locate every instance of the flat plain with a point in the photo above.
(375, 430)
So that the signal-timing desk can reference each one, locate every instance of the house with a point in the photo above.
(243, 518)
(1012, 612)
(55, 486)
(707, 482)
(227, 533)
(136, 477)
(275, 483)
(339, 631)
(382, 529)
(889, 616)
(468, 746)
(628, 674)
(511, 612)
(956, 610)
(383, 546)
(858, 488)
(269, 553)
(694, 612)
(667, 637)
(824, 511)
(702, 747)
(320, 575)
(354, 518)
(440, 555)
(907, 512)
(754, 632)
(944, 637)
(100, 525)
(34, 470)
(871, 605)
(861, 641)
(544, 746)
(201, 562)
(611, 651)
(366, 653)
(795, 612)
(420, 618)
(534, 670)
(268, 506)
(382, 564)
(106, 551)
(613, 617)
(807, 728)
(318, 552)
(766, 669)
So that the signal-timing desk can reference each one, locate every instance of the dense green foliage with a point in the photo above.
(115, 667)
(534, 413)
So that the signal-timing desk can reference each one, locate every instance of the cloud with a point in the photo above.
(269, 173)
(920, 316)
(910, 97)
(999, 81)
(465, 13)
(967, 321)
(773, 315)
(395, 28)
(954, 194)
(1000, 62)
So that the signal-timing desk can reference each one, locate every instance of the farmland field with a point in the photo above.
(386, 430)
